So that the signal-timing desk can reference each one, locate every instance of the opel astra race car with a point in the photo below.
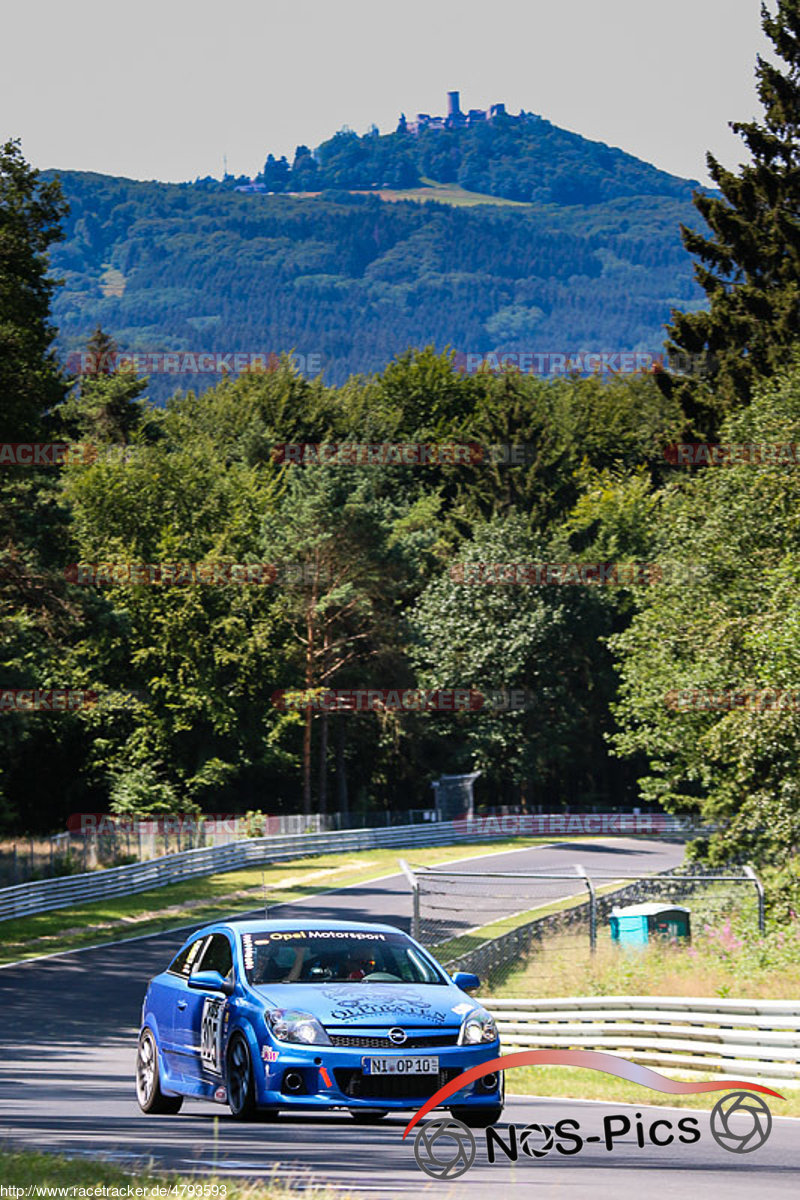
(270, 1015)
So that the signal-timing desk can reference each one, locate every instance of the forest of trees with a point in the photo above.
(369, 560)
(355, 281)
(524, 158)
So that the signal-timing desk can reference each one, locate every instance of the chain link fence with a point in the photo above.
(489, 923)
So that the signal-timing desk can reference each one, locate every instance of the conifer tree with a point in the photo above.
(749, 267)
(30, 220)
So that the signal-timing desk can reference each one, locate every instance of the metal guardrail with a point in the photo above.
(24, 899)
(62, 892)
(752, 1037)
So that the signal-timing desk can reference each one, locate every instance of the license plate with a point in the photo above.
(415, 1064)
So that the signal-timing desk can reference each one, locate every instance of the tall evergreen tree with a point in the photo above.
(749, 267)
(37, 617)
(107, 407)
(30, 220)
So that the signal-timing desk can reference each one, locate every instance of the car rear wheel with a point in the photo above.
(478, 1118)
(148, 1085)
(368, 1116)
(241, 1084)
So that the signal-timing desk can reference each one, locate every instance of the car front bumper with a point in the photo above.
(320, 1077)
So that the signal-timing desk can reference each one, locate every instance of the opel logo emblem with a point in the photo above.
(397, 1036)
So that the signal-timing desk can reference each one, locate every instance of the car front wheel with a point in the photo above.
(241, 1083)
(148, 1085)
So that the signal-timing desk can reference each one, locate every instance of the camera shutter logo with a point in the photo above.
(537, 1140)
(729, 1133)
(444, 1149)
(397, 1036)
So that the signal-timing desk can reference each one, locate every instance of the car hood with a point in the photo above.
(424, 1006)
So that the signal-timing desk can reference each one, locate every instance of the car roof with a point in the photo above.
(256, 925)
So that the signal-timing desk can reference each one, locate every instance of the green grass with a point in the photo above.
(24, 1168)
(447, 193)
(582, 1084)
(726, 958)
(209, 897)
(443, 193)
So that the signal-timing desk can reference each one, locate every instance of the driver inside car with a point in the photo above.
(356, 967)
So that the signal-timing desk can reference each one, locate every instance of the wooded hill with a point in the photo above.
(592, 260)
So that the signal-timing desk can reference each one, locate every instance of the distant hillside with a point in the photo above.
(356, 280)
(523, 158)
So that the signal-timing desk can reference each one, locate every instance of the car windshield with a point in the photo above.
(334, 956)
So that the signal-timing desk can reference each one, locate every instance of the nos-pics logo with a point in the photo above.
(446, 1148)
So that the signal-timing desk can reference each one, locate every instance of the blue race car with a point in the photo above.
(269, 1015)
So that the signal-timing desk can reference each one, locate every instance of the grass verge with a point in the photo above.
(25, 1169)
(210, 897)
(719, 962)
(576, 1083)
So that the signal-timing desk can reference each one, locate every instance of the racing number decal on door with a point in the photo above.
(211, 1034)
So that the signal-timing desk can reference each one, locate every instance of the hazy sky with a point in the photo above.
(161, 89)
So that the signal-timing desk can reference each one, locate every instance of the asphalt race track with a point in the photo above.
(66, 1083)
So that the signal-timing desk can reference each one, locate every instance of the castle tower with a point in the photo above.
(453, 104)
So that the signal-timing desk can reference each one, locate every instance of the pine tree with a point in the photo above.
(102, 354)
(106, 408)
(750, 267)
(30, 220)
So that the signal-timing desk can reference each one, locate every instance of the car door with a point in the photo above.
(200, 1014)
(168, 1000)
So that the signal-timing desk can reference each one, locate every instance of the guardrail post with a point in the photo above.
(592, 907)
(750, 873)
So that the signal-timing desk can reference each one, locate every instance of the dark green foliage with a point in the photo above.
(31, 211)
(357, 281)
(750, 265)
(517, 158)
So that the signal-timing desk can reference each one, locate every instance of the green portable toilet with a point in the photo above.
(637, 924)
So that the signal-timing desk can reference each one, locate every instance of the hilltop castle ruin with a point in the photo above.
(455, 119)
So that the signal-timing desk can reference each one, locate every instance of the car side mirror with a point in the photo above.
(466, 981)
(210, 981)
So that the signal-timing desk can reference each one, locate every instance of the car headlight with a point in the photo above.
(292, 1025)
(478, 1026)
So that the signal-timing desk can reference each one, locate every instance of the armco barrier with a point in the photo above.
(24, 899)
(759, 1038)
